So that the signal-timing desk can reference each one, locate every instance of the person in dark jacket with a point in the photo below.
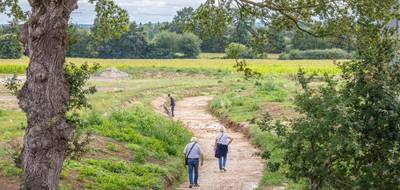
(222, 141)
(172, 105)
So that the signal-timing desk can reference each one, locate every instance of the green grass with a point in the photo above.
(247, 98)
(157, 136)
(155, 142)
(211, 55)
(12, 123)
(9, 170)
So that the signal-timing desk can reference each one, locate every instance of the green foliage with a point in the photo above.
(131, 44)
(150, 137)
(9, 170)
(239, 30)
(182, 20)
(114, 174)
(317, 54)
(158, 137)
(10, 47)
(237, 51)
(167, 44)
(217, 21)
(269, 39)
(273, 89)
(79, 42)
(12, 9)
(189, 44)
(241, 66)
(166, 41)
(112, 147)
(303, 41)
(341, 143)
(269, 143)
(111, 20)
(77, 76)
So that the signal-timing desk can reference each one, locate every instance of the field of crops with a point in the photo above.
(261, 65)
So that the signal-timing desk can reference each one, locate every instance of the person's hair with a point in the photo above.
(193, 139)
(222, 129)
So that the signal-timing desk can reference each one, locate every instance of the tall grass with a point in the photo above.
(268, 144)
(155, 142)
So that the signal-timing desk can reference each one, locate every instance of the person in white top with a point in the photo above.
(193, 157)
(222, 141)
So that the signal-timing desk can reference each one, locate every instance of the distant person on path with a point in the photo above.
(171, 102)
(193, 157)
(221, 148)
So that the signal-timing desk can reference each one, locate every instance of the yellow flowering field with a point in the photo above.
(261, 65)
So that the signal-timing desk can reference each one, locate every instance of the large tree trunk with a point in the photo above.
(45, 94)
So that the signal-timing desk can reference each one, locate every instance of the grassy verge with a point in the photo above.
(142, 152)
(247, 105)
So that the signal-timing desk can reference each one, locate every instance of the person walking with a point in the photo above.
(172, 105)
(221, 148)
(193, 157)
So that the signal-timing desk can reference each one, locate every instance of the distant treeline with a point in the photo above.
(185, 37)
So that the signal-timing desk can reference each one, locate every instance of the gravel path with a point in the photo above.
(244, 169)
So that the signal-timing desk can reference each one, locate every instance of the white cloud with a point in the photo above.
(139, 10)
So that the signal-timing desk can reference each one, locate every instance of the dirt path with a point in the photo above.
(244, 169)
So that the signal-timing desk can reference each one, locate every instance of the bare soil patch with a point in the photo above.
(112, 73)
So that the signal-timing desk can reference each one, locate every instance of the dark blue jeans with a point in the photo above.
(222, 162)
(193, 169)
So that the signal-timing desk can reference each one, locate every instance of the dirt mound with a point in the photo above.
(112, 73)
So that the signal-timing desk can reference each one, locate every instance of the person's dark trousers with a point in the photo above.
(193, 169)
(173, 111)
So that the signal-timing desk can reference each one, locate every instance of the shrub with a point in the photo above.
(189, 44)
(316, 54)
(156, 52)
(10, 47)
(166, 41)
(236, 50)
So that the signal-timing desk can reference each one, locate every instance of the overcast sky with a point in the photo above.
(139, 10)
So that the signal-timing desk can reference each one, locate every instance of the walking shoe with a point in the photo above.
(196, 185)
(224, 169)
(190, 186)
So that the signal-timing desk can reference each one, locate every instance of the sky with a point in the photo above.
(139, 10)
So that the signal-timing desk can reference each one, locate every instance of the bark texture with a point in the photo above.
(45, 94)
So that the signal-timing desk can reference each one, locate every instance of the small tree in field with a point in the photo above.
(189, 44)
(46, 95)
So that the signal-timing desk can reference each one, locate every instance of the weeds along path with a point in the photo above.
(244, 168)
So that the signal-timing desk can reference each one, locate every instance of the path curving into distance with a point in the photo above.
(244, 169)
